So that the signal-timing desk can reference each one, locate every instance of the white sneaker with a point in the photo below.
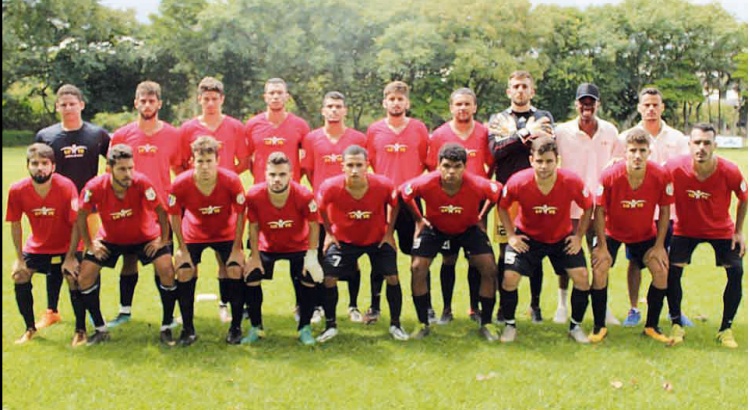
(611, 319)
(508, 335)
(578, 335)
(355, 315)
(317, 316)
(398, 333)
(224, 315)
(327, 335)
(561, 315)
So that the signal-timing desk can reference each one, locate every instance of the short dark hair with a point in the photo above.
(463, 91)
(38, 149)
(650, 91)
(69, 89)
(705, 127)
(452, 152)
(278, 158)
(542, 145)
(118, 152)
(355, 149)
(521, 74)
(210, 84)
(334, 95)
(148, 88)
(637, 136)
(205, 144)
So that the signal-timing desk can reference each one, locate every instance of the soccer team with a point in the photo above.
(655, 191)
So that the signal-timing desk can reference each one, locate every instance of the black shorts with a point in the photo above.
(682, 249)
(636, 250)
(342, 261)
(527, 262)
(44, 263)
(224, 249)
(431, 241)
(138, 249)
(296, 265)
(667, 239)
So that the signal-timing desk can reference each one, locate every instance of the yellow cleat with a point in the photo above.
(678, 334)
(48, 319)
(598, 336)
(79, 338)
(726, 339)
(656, 334)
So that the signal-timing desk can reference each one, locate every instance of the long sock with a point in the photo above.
(332, 299)
(127, 289)
(429, 290)
(508, 303)
(674, 294)
(320, 294)
(236, 301)
(90, 298)
(655, 300)
(421, 305)
(306, 305)
(223, 291)
(296, 285)
(186, 300)
(579, 301)
(447, 284)
(76, 300)
(254, 300)
(474, 279)
(488, 305)
(354, 283)
(54, 284)
(535, 285)
(25, 301)
(395, 301)
(169, 295)
(376, 287)
(599, 307)
(732, 296)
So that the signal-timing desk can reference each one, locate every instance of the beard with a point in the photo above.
(40, 179)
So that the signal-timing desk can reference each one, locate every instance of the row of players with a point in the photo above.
(507, 139)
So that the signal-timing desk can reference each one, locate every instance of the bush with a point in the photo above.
(15, 138)
(111, 121)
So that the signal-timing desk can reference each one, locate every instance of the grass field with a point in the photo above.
(364, 368)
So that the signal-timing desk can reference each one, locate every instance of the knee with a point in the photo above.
(21, 276)
(185, 274)
(234, 271)
(450, 260)
(392, 280)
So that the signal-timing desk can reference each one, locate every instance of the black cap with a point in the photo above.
(587, 90)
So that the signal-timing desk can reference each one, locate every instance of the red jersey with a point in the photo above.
(153, 155)
(361, 221)
(230, 135)
(545, 218)
(455, 214)
(629, 212)
(477, 153)
(702, 207)
(263, 138)
(402, 156)
(207, 218)
(52, 218)
(323, 157)
(126, 221)
(284, 229)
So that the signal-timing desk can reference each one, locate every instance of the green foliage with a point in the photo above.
(14, 138)
(114, 120)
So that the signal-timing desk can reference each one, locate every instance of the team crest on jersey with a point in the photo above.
(697, 194)
(360, 214)
(451, 209)
(122, 213)
(396, 147)
(633, 203)
(600, 190)
(86, 196)
(44, 211)
(312, 206)
(280, 224)
(274, 141)
(210, 210)
(240, 199)
(74, 151)
(669, 189)
(493, 186)
(171, 200)
(743, 186)
(545, 209)
(332, 158)
(150, 194)
(408, 189)
(147, 149)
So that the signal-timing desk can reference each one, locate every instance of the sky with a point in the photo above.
(143, 8)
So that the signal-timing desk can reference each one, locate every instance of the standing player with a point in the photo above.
(156, 149)
(324, 149)
(282, 216)
(126, 201)
(359, 212)
(397, 148)
(207, 210)
(77, 145)
(233, 154)
(464, 130)
(626, 198)
(50, 202)
(666, 143)
(703, 185)
(452, 216)
(510, 134)
(587, 145)
(543, 228)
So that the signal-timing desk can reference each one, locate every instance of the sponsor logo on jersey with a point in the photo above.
(74, 151)
(359, 214)
(122, 213)
(698, 194)
(210, 210)
(396, 147)
(148, 149)
(545, 209)
(274, 141)
(44, 211)
(451, 209)
(633, 203)
(332, 158)
(280, 224)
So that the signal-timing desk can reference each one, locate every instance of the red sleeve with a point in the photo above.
(239, 136)
(238, 192)
(73, 195)
(250, 209)
(149, 192)
(582, 195)
(410, 189)
(666, 196)
(174, 207)
(371, 149)
(185, 151)
(249, 137)
(308, 206)
(423, 141)
(13, 211)
(117, 138)
(90, 196)
(602, 191)
(508, 195)
(492, 189)
(433, 147)
(306, 162)
(737, 183)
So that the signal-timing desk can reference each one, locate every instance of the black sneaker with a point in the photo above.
(186, 339)
(536, 314)
(98, 337)
(165, 336)
(234, 335)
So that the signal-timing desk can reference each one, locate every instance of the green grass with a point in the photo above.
(363, 367)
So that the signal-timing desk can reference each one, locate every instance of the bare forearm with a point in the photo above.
(16, 232)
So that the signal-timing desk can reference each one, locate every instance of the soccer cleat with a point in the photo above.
(253, 335)
(306, 337)
(656, 334)
(686, 322)
(317, 316)
(355, 315)
(596, 337)
(634, 317)
(561, 315)
(610, 319)
(79, 338)
(432, 316)
(120, 319)
(234, 336)
(678, 334)
(165, 336)
(48, 319)
(224, 314)
(27, 335)
(489, 332)
(98, 337)
(327, 335)
(421, 332)
(446, 317)
(398, 333)
(509, 334)
(187, 339)
(474, 315)
(578, 335)
(726, 339)
(371, 316)
(536, 314)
